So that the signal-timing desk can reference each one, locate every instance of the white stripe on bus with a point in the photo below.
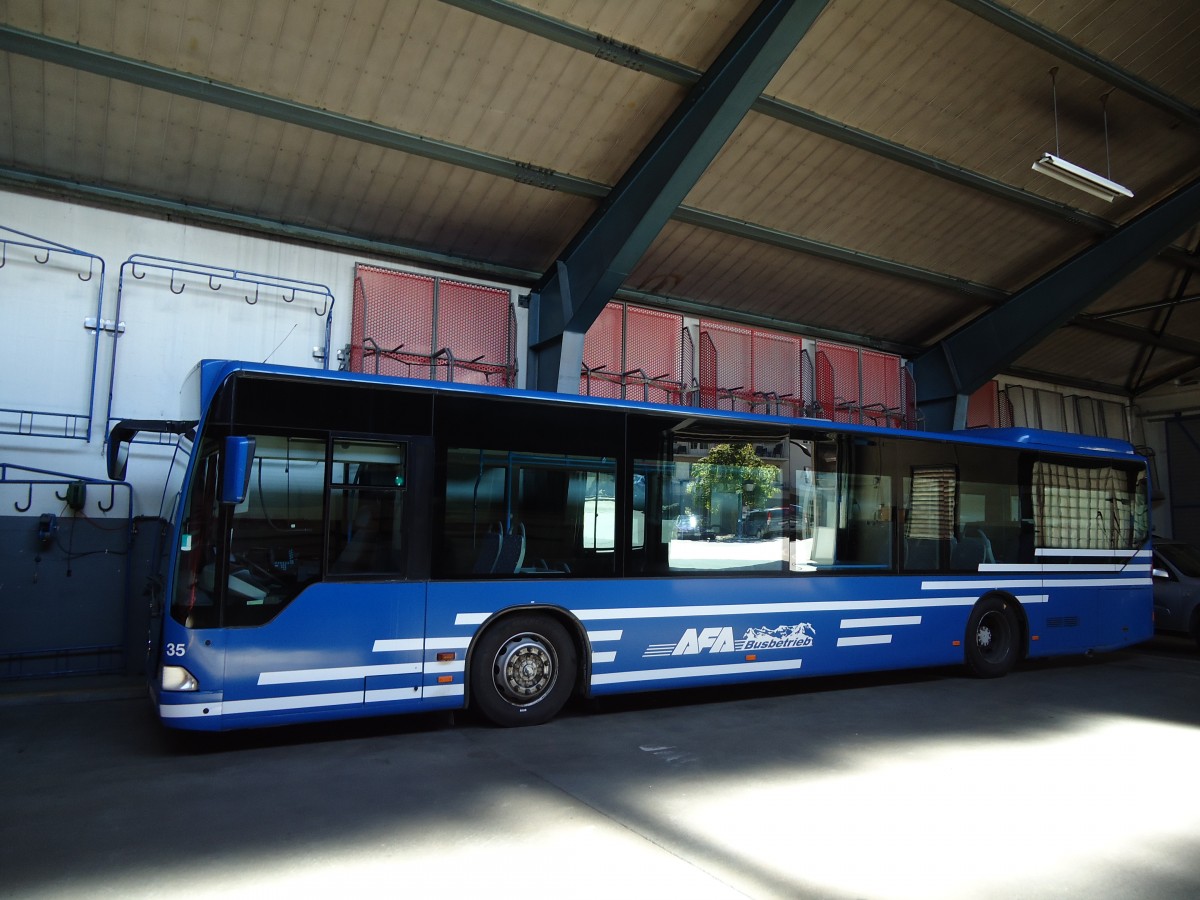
(696, 671)
(1036, 568)
(599, 636)
(301, 701)
(443, 690)
(420, 693)
(304, 676)
(341, 673)
(188, 710)
(306, 701)
(1036, 583)
(864, 639)
(397, 645)
(881, 621)
(1061, 551)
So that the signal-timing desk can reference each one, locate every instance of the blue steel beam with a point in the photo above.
(948, 373)
(601, 255)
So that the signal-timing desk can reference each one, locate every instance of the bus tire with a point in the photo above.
(992, 638)
(523, 670)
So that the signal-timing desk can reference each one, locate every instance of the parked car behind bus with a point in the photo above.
(1177, 588)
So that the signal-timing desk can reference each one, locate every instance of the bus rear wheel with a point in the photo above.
(523, 670)
(993, 635)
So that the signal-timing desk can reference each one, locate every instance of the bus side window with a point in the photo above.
(847, 503)
(712, 502)
(1088, 505)
(931, 496)
(510, 513)
(366, 516)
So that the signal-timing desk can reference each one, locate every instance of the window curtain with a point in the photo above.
(1081, 508)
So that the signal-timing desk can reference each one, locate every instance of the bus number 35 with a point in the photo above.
(176, 649)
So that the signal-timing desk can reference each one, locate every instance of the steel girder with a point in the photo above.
(948, 373)
(600, 256)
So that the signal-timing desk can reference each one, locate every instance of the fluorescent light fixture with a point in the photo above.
(1080, 178)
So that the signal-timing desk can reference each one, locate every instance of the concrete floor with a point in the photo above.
(1074, 778)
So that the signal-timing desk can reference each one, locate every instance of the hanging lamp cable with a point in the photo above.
(1054, 102)
(1107, 153)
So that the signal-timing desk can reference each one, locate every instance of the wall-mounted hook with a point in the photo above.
(112, 499)
(62, 497)
(91, 269)
(321, 312)
(133, 271)
(182, 284)
(290, 299)
(28, 500)
(213, 285)
(42, 262)
(3, 253)
(255, 300)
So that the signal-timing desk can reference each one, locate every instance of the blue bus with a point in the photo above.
(349, 545)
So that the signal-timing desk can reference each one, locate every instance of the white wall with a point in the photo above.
(46, 353)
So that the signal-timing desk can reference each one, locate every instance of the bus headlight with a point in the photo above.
(177, 678)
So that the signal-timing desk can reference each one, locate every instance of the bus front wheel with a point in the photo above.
(992, 639)
(523, 670)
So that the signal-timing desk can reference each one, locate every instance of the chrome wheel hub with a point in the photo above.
(525, 669)
(983, 637)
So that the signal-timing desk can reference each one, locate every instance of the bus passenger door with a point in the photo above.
(336, 645)
(325, 593)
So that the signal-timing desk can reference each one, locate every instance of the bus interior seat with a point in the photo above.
(922, 553)
(972, 550)
(874, 543)
(967, 555)
(500, 552)
(363, 551)
(988, 555)
(488, 552)
(512, 551)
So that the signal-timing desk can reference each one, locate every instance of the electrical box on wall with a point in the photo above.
(76, 495)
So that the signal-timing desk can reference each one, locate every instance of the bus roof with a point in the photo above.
(211, 373)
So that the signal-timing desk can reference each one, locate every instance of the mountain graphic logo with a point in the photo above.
(801, 635)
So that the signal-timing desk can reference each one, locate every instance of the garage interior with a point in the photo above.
(932, 214)
(883, 177)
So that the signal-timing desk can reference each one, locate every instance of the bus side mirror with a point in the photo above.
(117, 457)
(235, 472)
(123, 433)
